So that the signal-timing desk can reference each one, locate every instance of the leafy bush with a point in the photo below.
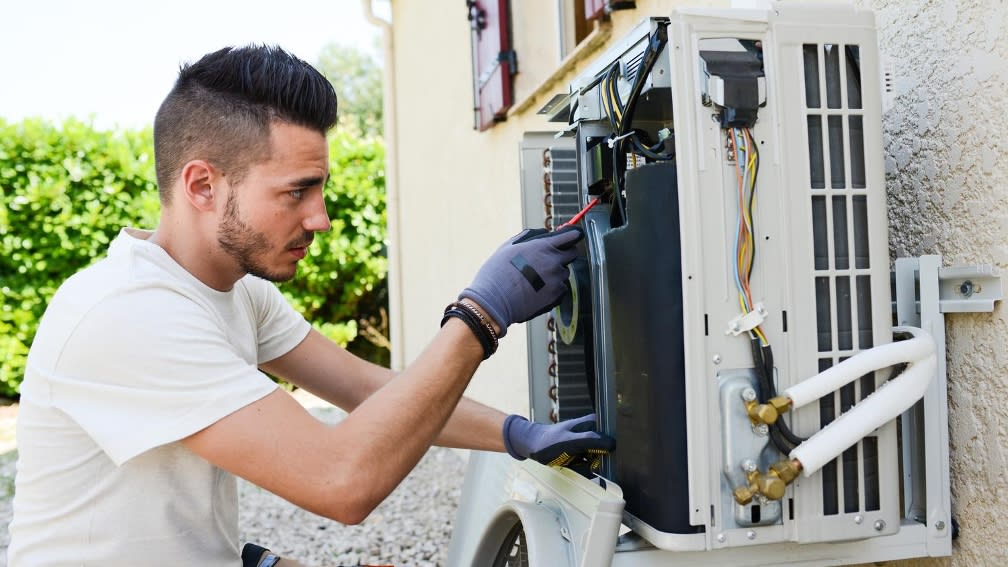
(66, 190)
(341, 283)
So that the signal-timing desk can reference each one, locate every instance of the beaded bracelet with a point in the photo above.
(476, 322)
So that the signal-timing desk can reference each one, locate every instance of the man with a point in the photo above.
(143, 394)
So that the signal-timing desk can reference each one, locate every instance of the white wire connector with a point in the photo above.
(612, 141)
(747, 321)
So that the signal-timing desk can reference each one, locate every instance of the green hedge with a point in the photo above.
(67, 189)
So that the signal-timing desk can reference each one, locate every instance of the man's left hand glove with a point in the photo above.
(561, 444)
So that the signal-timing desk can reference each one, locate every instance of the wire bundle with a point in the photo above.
(620, 115)
(743, 146)
(741, 143)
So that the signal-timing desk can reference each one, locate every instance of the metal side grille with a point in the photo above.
(842, 281)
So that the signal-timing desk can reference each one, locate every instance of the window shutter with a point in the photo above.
(493, 61)
(595, 9)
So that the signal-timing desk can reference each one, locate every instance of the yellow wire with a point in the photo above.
(613, 97)
(746, 241)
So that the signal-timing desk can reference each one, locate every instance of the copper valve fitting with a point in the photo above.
(769, 485)
(769, 412)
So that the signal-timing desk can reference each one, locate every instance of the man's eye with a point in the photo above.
(297, 194)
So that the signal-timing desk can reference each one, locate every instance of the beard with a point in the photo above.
(248, 246)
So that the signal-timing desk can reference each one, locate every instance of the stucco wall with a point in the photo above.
(946, 172)
(947, 182)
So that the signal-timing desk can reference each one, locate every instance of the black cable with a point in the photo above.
(782, 436)
(658, 40)
(608, 99)
(780, 442)
(654, 48)
(651, 152)
(615, 92)
(595, 82)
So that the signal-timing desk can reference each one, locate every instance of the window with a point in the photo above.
(493, 61)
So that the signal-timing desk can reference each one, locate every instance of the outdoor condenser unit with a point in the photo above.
(732, 316)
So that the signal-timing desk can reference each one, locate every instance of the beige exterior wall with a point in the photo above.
(947, 180)
(947, 177)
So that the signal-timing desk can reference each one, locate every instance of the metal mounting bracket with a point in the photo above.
(961, 289)
(923, 291)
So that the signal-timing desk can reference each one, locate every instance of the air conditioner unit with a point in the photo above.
(735, 267)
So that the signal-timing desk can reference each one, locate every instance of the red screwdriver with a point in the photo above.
(581, 213)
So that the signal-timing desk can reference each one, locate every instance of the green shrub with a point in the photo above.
(341, 284)
(66, 190)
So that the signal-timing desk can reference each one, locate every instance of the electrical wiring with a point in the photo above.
(742, 144)
(620, 117)
(746, 167)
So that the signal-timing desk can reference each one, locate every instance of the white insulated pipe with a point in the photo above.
(890, 400)
(883, 356)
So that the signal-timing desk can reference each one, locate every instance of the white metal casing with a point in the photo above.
(785, 274)
(789, 212)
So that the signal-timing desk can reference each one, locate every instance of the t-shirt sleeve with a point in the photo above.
(280, 326)
(149, 367)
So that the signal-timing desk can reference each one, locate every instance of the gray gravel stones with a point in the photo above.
(412, 527)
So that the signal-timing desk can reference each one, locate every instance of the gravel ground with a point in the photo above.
(411, 527)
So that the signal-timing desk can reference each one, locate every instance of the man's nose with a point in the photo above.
(317, 219)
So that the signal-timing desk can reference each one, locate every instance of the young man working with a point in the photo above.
(144, 393)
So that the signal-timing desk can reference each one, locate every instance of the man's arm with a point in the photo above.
(344, 471)
(327, 370)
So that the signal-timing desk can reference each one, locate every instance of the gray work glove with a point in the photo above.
(564, 444)
(526, 276)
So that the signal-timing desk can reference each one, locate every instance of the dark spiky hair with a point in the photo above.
(221, 107)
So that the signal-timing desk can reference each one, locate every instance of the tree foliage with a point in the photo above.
(66, 190)
(357, 78)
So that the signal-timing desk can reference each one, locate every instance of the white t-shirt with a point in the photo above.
(132, 355)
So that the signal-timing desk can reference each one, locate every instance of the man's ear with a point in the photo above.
(198, 179)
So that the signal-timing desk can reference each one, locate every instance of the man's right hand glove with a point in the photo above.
(526, 276)
(561, 444)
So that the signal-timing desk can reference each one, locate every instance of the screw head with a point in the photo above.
(966, 288)
(751, 534)
(858, 519)
(940, 525)
(761, 429)
(748, 394)
(716, 359)
(879, 525)
(721, 538)
(748, 465)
